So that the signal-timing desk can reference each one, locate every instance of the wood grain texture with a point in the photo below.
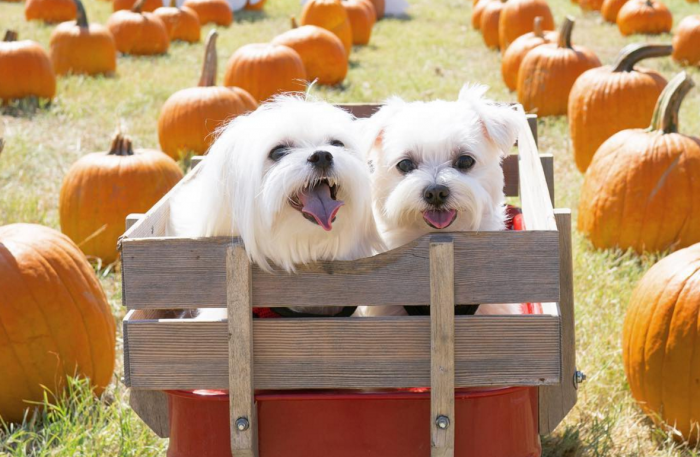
(511, 174)
(152, 407)
(442, 347)
(532, 123)
(133, 218)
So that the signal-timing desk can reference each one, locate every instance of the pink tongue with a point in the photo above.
(439, 219)
(318, 204)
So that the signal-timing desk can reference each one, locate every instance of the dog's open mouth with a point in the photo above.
(439, 218)
(317, 202)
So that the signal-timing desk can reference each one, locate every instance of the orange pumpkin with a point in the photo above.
(190, 117)
(265, 70)
(518, 49)
(641, 190)
(255, 5)
(37, 77)
(609, 99)
(644, 16)
(79, 47)
(181, 23)
(138, 33)
(362, 16)
(477, 11)
(661, 343)
(489, 24)
(148, 6)
(380, 7)
(686, 41)
(518, 16)
(330, 15)
(591, 5)
(50, 10)
(548, 72)
(55, 318)
(101, 189)
(610, 9)
(322, 52)
(212, 11)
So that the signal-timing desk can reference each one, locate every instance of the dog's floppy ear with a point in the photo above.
(374, 127)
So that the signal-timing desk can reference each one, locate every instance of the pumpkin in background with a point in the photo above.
(649, 17)
(609, 99)
(102, 188)
(518, 49)
(518, 17)
(686, 41)
(642, 190)
(78, 47)
(139, 33)
(148, 6)
(322, 52)
(330, 15)
(212, 11)
(591, 5)
(37, 76)
(264, 70)
(477, 11)
(362, 16)
(380, 7)
(661, 342)
(610, 9)
(489, 24)
(51, 11)
(548, 72)
(190, 117)
(255, 5)
(181, 23)
(55, 318)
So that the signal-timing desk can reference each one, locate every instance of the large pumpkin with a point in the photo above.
(137, 32)
(610, 9)
(50, 10)
(264, 70)
(79, 47)
(548, 72)
(477, 11)
(642, 190)
(322, 52)
(25, 70)
(517, 19)
(661, 342)
(362, 16)
(489, 24)
(102, 188)
(190, 117)
(54, 317)
(148, 6)
(518, 49)
(330, 15)
(686, 41)
(212, 11)
(379, 7)
(650, 17)
(181, 23)
(609, 99)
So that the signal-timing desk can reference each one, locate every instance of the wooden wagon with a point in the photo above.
(442, 351)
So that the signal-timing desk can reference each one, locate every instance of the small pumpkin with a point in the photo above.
(641, 190)
(212, 11)
(101, 189)
(610, 10)
(591, 5)
(330, 15)
(322, 52)
(548, 72)
(37, 77)
(55, 318)
(362, 16)
(79, 47)
(686, 41)
(265, 69)
(477, 11)
(517, 19)
(181, 23)
(489, 24)
(380, 7)
(255, 5)
(190, 117)
(148, 6)
(51, 11)
(514, 55)
(137, 32)
(661, 343)
(649, 17)
(610, 99)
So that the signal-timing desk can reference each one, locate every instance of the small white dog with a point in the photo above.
(289, 179)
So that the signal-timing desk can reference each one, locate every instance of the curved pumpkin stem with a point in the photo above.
(138, 6)
(80, 16)
(294, 23)
(121, 145)
(634, 53)
(10, 35)
(173, 3)
(565, 33)
(665, 116)
(537, 27)
(208, 77)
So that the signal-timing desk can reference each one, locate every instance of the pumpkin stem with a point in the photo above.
(10, 35)
(565, 33)
(121, 145)
(81, 16)
(295, 25)
(650, 4)
(138, 6)
(633, 53)
(537, 27)
(665, 116)
(173, 3)
(208, 77)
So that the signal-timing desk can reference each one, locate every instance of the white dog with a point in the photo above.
(291, 181)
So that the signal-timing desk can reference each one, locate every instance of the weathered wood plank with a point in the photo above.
(152, 407)
(194, 161)
(511, 174)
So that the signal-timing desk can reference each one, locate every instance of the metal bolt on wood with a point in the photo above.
(442, 422)
(579, 377)
(242, 424)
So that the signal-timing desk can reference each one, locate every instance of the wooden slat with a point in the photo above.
(152, 407)
(343, 352)
(195, 160)
(442, 346)
(490, 267)
(360, 110)
(133, 218)
(511, 174)
(532, 123)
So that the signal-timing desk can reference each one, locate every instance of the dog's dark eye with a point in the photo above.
(337, 143)
(464, 163)
(406, 166)
(278, 152)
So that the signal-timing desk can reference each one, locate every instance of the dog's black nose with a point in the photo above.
(436, 194)
(321, 159)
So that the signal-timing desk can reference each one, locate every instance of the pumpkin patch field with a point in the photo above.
(101, 124)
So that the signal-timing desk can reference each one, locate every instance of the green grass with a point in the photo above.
(427, 56)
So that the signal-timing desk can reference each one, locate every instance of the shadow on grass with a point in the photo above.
(250, 16)
(26, 107)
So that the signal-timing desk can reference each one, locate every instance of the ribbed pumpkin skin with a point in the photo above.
(55, 318)
(212, 11)
(477, 11)
(517, 18)
(330, 15)
(686, 41)
(51, 11)
(264, 70)
(81, 50)
(489, 24)
(636, 16)
(149, 6)
(362, 16)
(138, 33)
(181, 23)
(591, 5)
(322, 52)
(610, 9)
(516, 52)
(379, 8)
(661, 344)
(25, 70)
